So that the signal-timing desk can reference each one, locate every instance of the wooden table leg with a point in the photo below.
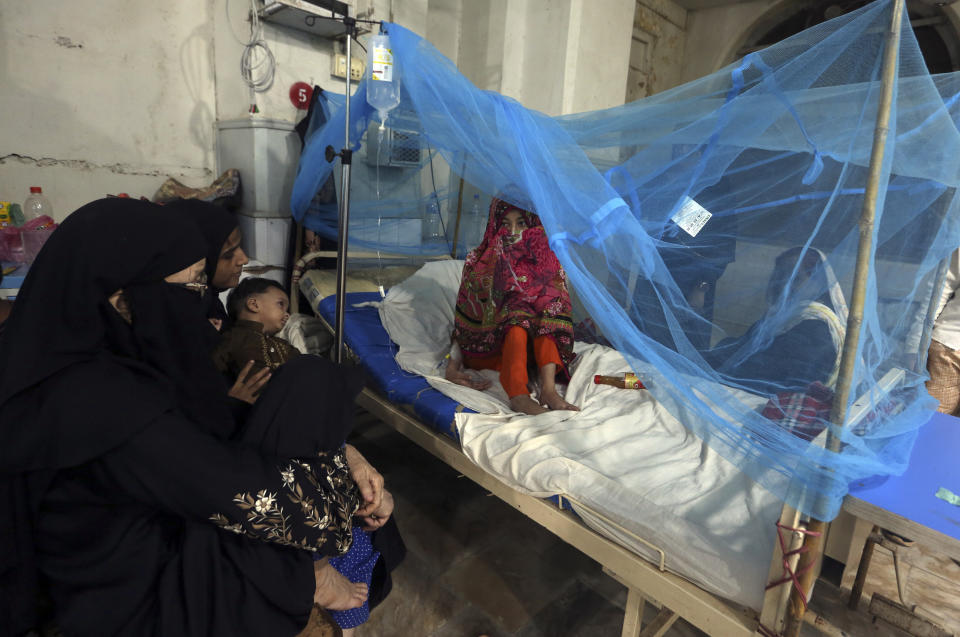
(862, 568)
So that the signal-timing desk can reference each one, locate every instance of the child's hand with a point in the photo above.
(247, 389)
(457, 374)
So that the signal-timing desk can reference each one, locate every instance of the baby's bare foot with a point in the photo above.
(336, 592)
(553, 400)
(526, 405)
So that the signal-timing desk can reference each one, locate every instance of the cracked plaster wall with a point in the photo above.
(113, 96)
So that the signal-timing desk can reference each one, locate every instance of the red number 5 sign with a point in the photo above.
(300, 94)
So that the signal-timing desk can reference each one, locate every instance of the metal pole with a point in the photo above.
(344, 216)
(931, 316)
(813, 542)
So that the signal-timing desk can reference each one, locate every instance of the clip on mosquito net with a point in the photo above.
(710, 232)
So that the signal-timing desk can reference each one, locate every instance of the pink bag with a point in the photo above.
(11, 245)
(35, 233)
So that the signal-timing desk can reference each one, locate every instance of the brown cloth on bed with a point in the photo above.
(245, 342)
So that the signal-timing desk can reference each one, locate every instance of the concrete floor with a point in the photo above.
(475, 566)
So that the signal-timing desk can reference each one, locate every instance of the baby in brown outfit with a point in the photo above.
(259, 308)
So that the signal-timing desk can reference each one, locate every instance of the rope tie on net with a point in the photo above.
(791, 575)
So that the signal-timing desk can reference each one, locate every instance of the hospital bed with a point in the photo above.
(409, 404)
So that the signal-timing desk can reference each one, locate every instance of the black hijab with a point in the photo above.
(76, 380)
(216, 223)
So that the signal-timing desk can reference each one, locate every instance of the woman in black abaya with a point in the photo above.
(225, 256)
(123, 486)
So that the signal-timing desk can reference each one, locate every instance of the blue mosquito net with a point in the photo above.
(709, 232)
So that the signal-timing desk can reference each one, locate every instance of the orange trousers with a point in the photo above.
(511, 362)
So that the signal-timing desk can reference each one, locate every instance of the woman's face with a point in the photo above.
(231, 262)
(514, 224)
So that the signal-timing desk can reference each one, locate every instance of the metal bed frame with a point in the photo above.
(646, 581)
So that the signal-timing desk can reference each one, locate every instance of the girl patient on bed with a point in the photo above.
(513, 308)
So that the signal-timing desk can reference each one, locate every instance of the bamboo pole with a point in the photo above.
(456, 226)
(816, 530)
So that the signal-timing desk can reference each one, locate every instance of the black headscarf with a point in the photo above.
(216, 224)
(62, 323)
(76, 380)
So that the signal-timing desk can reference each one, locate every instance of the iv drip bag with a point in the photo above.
(383, 85)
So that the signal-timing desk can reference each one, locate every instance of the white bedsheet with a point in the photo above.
(623, 455)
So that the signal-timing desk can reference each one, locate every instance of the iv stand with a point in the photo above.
(343, 217)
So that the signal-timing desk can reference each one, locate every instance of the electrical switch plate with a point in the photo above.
(340, 67)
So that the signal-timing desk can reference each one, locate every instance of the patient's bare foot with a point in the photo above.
(334, 591)
(553, 400)
(525, 404)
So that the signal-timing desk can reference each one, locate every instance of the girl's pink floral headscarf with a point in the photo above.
(506, 283)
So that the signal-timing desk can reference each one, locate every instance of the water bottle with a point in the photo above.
(476, 223)
(383, 80)
(36, 205)
(432, 230)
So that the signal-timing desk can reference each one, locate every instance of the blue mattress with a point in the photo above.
(365, 336)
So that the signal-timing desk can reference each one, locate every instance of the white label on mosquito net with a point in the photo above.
(382, 64)
(692, 217)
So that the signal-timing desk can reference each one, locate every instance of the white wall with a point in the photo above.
(113, 96)
(300, 57)
(480, 56)
(598, 47)
(103, 96)
(556, 56)
(444, 24)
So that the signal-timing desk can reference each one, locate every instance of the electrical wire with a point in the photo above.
(257, 64)
(433, 180)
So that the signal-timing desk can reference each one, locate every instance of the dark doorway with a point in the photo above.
(935, 34)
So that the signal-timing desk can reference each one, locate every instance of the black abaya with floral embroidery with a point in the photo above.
(125, 483)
